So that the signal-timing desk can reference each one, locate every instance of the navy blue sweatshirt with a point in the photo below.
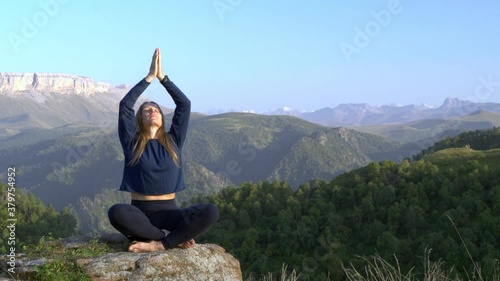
(155, 172)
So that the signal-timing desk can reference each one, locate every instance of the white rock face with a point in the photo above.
(16, 83)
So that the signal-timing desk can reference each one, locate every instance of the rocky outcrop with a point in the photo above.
(12, 83)
(201, 262)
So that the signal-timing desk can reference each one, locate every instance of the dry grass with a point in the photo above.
(292, 276)
(378, 269)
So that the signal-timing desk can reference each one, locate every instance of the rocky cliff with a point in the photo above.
(12, 83)
(49, 100)
(201, 262)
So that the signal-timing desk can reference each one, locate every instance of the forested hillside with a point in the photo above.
(30, 218)
(250, 147)
(382, 208)
(448, 201)
(221, 150)
(477, 139)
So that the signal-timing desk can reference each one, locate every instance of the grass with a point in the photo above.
(285, 276)
(458, 156)
(378, 269)
(62, 266)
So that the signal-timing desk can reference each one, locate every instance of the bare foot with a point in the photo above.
(187, 244)
(143, 247)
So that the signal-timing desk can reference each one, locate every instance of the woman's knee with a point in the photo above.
(212, 213)
(117, 212)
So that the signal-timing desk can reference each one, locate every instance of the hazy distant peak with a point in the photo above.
(394, 105)
(426, 106)
(285, 110)
(244, 111)
(354, 105)
(454, 102)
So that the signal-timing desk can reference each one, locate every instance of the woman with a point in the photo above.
(153, 173)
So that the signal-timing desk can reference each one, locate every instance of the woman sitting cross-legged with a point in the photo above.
(153, 172)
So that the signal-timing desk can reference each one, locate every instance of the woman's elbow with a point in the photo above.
(123, 103)
(187, 104)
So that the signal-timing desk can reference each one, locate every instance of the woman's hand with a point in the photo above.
(159, 73)
(153, 68)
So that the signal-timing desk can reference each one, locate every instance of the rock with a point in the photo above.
(201, 262)
(53, 83)
(24, 265)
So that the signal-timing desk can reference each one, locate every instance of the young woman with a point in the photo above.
(153, 172)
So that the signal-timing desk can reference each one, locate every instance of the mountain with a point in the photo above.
(82, 164)
(364, 114)
(433, 129)
(250, 147)
(50, 100)
(220, 150)
(447, 202)
(286, 110)
(47, 100)
(445, 208)
(477, 140)
(63, 140)
(17, 83)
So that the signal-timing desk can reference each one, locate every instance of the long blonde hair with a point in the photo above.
(143, 137)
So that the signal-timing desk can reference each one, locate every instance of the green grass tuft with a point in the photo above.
(62, 266)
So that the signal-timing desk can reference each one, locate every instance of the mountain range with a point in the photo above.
(63, 143)
(221, 150)
(63, 139)
(363, 114)
(52, 100)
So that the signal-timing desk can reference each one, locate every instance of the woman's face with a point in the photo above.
(151, 115)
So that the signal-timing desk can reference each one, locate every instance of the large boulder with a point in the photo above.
(201, 262)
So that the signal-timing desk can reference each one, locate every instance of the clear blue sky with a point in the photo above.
(256, 54)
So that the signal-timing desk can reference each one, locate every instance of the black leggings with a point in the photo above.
(144, 221)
